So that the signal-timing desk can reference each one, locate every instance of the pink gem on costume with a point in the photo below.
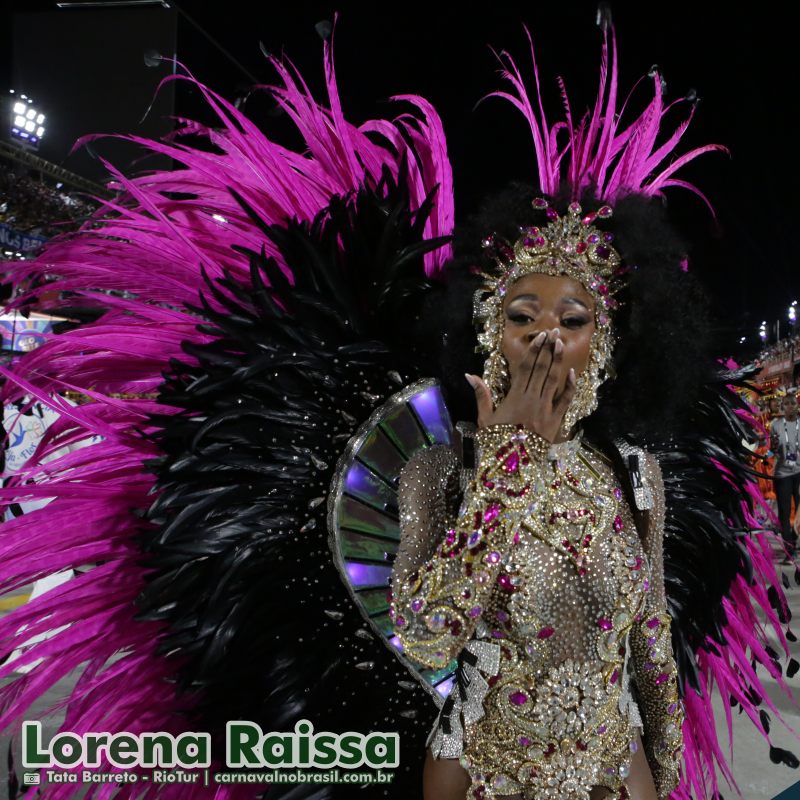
(511, 464)
(518, 698)
(505, 583)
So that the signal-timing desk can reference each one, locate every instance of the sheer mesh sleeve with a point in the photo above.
(436, 606)
(651, 651)
(428, 488)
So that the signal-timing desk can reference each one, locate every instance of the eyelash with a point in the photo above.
(568, 322)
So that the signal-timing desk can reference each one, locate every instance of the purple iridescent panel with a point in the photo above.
(430, 408)
(445, 687)
(384, 624)
(404, 431)
(368, 574)
(357, 516)
(358, 547)
(360, 482)
(381, 456)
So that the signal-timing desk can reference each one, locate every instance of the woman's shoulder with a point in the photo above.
(431, 460)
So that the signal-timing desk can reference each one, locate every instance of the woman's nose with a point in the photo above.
(552, 334)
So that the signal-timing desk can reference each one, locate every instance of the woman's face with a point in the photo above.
(538, 303)
(790, 406)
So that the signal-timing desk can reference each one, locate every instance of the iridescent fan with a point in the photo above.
(363, 508)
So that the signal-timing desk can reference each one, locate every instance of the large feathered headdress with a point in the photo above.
(603, 158)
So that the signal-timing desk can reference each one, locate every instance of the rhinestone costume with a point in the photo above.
(551, 600)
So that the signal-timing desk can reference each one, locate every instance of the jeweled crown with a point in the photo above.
(567, 245)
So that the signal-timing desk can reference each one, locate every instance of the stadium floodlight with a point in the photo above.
(27, 121)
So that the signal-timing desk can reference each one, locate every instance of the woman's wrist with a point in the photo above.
(501, 436)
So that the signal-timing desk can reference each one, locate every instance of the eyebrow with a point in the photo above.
(534, 297)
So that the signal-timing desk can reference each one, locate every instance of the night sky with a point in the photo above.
(741, 61)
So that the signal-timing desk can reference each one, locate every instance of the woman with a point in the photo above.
(544, 577)
(248, 394)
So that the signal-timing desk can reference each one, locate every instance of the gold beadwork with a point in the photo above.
(552, 716)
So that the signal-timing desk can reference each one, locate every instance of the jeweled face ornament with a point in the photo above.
(569, 248)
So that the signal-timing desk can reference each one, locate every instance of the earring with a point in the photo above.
(585, 399)
(584, 402)
(496, 375)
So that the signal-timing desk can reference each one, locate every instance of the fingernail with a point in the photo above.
(540, 338)
(556, 333)
(471, 380)
(559, 346)
(572, 374)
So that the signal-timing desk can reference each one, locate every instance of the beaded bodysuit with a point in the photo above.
(542, 587)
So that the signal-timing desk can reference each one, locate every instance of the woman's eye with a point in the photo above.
(574, 322)
(520, 318)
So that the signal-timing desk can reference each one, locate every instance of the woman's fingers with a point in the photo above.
(483, 398)
(538, 374)
(519, 381)
(562, 403)
(553, 378)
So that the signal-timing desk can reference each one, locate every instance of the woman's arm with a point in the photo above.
(437, 603)
(428, 485)
(651, 652)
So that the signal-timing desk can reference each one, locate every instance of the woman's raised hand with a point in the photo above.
(533, 398)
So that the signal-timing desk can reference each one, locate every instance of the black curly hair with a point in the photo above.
(662, 355)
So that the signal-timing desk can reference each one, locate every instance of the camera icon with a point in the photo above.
(31, 779)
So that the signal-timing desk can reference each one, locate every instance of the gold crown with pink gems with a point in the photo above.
(567, 245)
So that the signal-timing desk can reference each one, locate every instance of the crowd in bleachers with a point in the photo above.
(782, 349)
(34, 207)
